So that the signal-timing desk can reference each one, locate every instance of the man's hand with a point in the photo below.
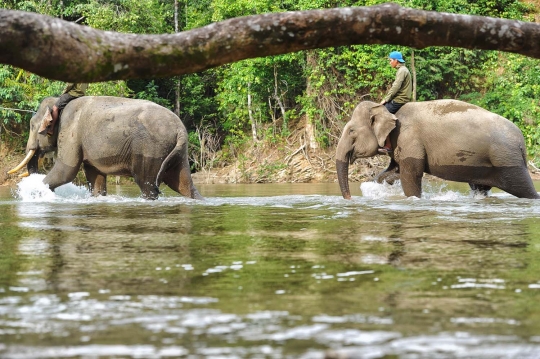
(382, 102)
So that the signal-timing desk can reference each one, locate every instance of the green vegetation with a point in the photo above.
(265, 99)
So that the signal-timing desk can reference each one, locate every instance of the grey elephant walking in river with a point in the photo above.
(450, 139)
(113, 136)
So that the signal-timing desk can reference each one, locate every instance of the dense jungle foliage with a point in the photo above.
(265, 99)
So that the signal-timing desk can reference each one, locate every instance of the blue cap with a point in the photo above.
(396, 55)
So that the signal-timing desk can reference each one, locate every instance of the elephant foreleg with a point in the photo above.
(97, 181)
(60, 174)
(412, 171)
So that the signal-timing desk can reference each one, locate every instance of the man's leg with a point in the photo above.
(392, 107)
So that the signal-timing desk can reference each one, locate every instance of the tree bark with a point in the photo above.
(250, 113)
(61, 50)
(311, 93)
(277, 97)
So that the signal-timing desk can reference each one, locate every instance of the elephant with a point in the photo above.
(113, 136)
(450, 139)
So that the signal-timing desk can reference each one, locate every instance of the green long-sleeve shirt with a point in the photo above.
(401, 90)
(75, 90)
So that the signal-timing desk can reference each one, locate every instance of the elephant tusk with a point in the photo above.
(25, 174)
(24, 162)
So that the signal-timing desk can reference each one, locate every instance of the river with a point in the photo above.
(268, 271)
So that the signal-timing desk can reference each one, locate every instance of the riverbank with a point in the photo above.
(257, 163)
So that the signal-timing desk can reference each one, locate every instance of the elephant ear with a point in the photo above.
(382, 123)
(47, 118)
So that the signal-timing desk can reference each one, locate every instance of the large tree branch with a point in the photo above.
(65, 51)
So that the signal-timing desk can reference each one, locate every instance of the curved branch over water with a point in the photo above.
(61, 50)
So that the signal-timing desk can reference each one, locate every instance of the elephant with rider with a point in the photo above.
(113, 136)
(450, 139)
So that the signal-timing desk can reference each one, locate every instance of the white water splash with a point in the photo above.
(374, 190)
(32, 189)
(436, 191)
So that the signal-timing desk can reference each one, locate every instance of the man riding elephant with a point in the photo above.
(400, 93)
(70, 92)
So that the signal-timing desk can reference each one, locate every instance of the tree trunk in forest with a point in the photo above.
(277, 97)
(70, 52)
(272, 114)
(175, 15)
(311, 62)
(413, 69)
(310, 135)
(250, 113)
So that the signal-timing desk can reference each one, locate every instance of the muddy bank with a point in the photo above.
(261, 164)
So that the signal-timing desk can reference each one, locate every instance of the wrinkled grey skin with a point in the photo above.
(450, 139)
(115, 136)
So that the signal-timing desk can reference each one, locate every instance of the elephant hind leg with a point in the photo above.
(145, 173)
(178, 178)
(149, 189)
(517, 182)
(97, 181)
(480, 188)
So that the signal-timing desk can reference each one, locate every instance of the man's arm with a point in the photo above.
(69, 87)
(400, 77)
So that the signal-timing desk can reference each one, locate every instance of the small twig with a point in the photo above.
(288, 158)
(535, 169)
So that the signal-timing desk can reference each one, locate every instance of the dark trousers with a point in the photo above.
(63, 100)
(393, 107)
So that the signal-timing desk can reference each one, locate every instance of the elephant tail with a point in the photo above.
(524, 154)
(177, 157)
(175, 154)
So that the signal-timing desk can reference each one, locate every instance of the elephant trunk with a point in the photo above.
(344, 153)
(23, 162)
(342, 168)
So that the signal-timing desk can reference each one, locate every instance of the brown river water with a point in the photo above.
(268, 271)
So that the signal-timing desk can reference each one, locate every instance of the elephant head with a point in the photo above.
(362, 136)
(38, 144)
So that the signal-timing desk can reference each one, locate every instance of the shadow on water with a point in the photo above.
(269, 271)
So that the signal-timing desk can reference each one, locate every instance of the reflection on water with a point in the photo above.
(269, 271)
